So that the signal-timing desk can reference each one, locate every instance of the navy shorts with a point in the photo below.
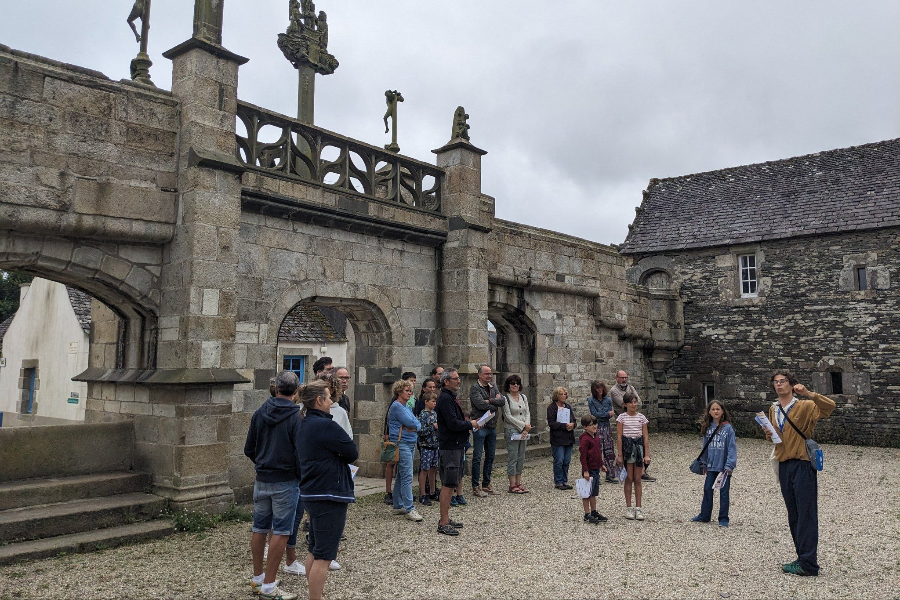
(326, 526)
(428, 458)
(595, 485)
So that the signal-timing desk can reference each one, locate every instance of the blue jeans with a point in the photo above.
(485, 439)
(403, 497)
(724, 497)
(298, 518)
(274, 506)
(562, 456)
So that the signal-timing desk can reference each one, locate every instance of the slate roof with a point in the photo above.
(308, 324)
(840, 190)
(81, 304)
(3, 327)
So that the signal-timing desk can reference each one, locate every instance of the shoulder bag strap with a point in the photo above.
(706, 445)
(792, 423)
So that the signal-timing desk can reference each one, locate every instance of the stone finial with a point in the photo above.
(460, 126)
(208, 20)
(392, 97)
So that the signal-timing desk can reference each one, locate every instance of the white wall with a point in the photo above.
(45, 329)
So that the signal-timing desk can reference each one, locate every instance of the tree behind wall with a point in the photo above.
(9, 292)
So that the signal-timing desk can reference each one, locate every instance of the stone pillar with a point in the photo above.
(182, 436)
(463, 297)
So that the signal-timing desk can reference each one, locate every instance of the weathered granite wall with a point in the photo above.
(808, 317)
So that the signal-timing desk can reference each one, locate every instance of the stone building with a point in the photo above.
(44, 344)
(790, 263)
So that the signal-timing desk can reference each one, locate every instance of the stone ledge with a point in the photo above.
(268, 203)
(162, 376)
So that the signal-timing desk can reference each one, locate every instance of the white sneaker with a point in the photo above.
(638, 514)
(278, 594)
(413, 515)
(629, 513)
(295, 568)
(398, 511)
(256, 588)
(334, 566)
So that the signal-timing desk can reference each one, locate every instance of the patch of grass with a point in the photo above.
(192, 521)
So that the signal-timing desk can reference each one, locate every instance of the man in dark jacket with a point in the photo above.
(272, 443)
(453, 432)
(485, 396)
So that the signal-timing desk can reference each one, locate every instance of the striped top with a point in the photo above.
(632, 427)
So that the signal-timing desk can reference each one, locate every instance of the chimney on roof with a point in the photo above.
(23, 291)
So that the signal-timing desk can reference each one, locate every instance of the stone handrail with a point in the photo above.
(361, 168)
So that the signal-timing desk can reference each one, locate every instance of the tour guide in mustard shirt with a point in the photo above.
(799, 485)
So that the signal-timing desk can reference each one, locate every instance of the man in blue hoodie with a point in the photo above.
(272, 443)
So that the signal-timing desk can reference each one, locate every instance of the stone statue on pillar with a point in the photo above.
(305, 45)
(140, 65)
(392, 97)
(460, 126)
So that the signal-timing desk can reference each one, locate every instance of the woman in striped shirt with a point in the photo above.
(634, 452)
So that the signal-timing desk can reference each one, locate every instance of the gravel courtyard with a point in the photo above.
(536, 545)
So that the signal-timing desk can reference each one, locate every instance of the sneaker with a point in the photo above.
(398, 511)
(566, 486)
(277, 594)
(414, 515)
(560, 486)
(435, 495)
(255, 588)
(646, 477)
(699, 519)
(589, 518)
(792, 563)
(389, 498)
(295, 568)
(723, 522)
(600, 517)
(334, 566)
(794, 568)
(460, 500)
(638, 513)
(455, 524)
(612, 480)
(629, 513)
(489, 490)
(425, 501)
(479, 493)
(453, 501)
(448, 530)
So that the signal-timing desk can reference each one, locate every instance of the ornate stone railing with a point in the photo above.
(315, 154)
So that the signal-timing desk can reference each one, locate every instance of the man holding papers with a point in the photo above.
(796, 475)
(486, 400)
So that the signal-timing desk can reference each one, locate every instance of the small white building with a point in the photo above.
(309, 333)
(42, 346)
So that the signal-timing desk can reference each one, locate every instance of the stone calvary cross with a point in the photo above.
(305, 45)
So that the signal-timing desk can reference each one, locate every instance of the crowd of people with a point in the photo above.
(303, 459)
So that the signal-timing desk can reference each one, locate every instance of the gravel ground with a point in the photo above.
(536, 545)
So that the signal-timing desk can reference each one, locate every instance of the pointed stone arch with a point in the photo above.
(375, 328)
(122, 277)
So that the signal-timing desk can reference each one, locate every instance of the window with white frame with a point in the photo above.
(749, 279)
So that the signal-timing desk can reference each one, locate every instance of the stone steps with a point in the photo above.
(75, 516)
(86, 541)
(32, 492)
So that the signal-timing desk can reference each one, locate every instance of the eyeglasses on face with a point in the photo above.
(779, 381)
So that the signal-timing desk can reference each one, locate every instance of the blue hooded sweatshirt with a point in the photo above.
(273, 440)
(721, 455)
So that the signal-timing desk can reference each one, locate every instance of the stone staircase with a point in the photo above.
(60, 510)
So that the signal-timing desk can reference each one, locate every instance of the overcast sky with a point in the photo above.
(578, 102)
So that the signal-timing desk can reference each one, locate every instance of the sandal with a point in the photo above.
(515, 490)
(523, 489)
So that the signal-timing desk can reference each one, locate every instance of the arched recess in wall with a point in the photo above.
(373, 329)
(130, 297)
(515, 348)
